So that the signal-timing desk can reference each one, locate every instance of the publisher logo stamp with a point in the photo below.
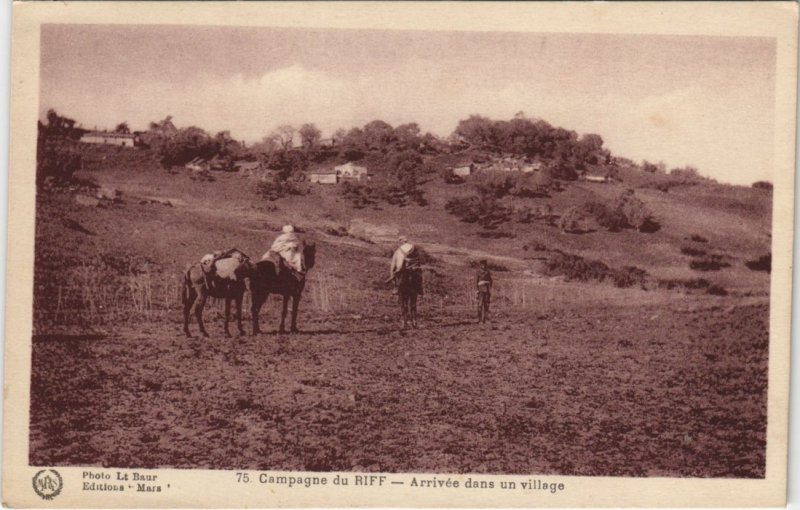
(47, 483)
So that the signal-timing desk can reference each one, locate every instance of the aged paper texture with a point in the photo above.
(399, 254)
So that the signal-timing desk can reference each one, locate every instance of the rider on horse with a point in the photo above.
(406, 257)
(286, 251)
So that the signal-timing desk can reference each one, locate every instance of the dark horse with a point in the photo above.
(409, 286)
(199, 285)
(265, 280)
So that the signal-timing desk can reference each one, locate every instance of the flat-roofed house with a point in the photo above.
(104, 137)
(197, 164)
(324, 176)
(595, 178)
(464, 171)
(351, 171)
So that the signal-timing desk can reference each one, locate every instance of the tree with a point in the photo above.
(123, 128)
(186, 145)
(338, 136)
(58, 125)
(408, 135)
(378, 134)
(309, 136)
(477, 130)
(284, 135)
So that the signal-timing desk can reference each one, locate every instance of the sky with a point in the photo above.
(684, 100)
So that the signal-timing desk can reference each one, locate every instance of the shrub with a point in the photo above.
(56, 162)
(496, 234)
(572, 221)
(698, 238)
(629, 276)
(692, 252)
(359, 195)
(607, 217)
(574, 267)
(636, 213)
(523, 214)
(534, 246)
(763, 185)
(712, 263)
(763, 263)
(275, 187)
(449, 177)
(485, 211)
(499, 184)
(387, 190)
(717, 290)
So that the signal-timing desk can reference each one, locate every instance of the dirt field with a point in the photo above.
(675, 390)
(572, 378)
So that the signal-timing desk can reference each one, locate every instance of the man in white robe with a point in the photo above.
(287, 247)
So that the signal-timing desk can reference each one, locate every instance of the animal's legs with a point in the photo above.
(282, 328)
(404, 308)
(227, 315)
(188, 302)
(413, 310)
(255, 309)
(198, 311)
(239, 314)
(295, 303)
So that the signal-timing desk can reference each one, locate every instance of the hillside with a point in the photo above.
(582, 351)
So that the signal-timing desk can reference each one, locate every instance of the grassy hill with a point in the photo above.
(163, 220)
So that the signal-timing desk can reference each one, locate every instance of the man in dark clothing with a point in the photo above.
(484, 283)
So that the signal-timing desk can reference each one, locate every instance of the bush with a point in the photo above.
(691, 284)
(485, 211)
(692, 252)
(717, 290)
(607, 217)
(496, 234)
(574, 267)
(698, 238)
(636, 213)
(449, 177)
(56, 162)
(763, 263)
(763, 185)
(274, 188)
(534, 246)
(500, 184)
(388, 191)
(572, 221)
(629, 276)
(523, 214)
(712, 263)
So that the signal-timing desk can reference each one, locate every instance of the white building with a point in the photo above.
(324, 176)
(352, 171)
(464, 171)
(121, 139)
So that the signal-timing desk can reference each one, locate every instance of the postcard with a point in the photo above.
(399, 254)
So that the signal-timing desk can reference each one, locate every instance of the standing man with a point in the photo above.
(484, 282)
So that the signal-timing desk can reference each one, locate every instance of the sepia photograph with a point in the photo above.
(297, 252)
